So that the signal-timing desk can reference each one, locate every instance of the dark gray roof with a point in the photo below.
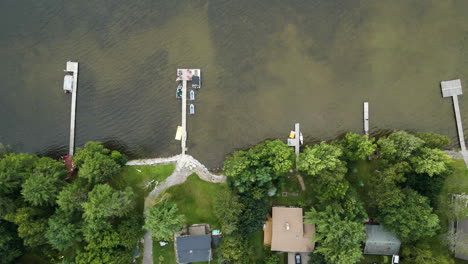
(380, 242)
(193, 248)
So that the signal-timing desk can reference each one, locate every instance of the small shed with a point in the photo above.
(192, 249)
(380, 242)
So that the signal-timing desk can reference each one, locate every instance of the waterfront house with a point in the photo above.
(286, 231)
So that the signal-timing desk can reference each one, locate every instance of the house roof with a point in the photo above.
(193, 248)
(289, 233)
(460, 247)
(380, 242)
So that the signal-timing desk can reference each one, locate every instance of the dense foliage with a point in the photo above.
(82, 218)
(163, 220)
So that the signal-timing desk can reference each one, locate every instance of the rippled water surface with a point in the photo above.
(266, 64)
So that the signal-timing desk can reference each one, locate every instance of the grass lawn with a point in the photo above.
(195, 199)
(167, 253)
(291, 185)
(130, 176)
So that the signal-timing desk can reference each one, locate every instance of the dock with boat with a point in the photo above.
(296, 139)
(184, 76)
(453, 88)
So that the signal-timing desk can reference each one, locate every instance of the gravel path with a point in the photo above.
(185, 166)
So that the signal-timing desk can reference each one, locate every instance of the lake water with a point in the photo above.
(265, 64)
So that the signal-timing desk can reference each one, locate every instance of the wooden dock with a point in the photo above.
(366, 118)
(73, 67)
(295, 142)
(185, 75)
(452, 89)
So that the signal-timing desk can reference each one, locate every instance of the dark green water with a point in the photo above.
(266, 64)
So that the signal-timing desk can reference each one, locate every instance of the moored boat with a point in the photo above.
(179, 91)
(192, 95)
(192, 109)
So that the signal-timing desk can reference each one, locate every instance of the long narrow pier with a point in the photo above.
(366, 118)
(452, 89)
(73, 67)
(183, 142)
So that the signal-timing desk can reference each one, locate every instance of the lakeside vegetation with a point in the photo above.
(96, 214)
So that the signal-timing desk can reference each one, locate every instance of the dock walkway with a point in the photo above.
(185, 75)
(73, 67)
(452, 89)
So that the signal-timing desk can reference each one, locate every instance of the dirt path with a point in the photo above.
(185, 166)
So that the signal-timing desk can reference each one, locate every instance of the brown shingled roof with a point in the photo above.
(290, 234)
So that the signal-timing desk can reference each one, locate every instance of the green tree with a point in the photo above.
(99, 169)
(163, 220)
(254, 171)
(10, 243)
(228, 209)
(233, 248)
(103, 256)
(62, 232)
(433, 140)
(71, 198)
(104, 202)
(398, 146)
(410, 219)
(253, 214)
(357, 147)
(14, 169)
(430, 161)
(330, 186)
(422, 253)
(339, 237)
(90, 149)
(130, 230)
(321, 157)
(118, 157)
(385, 189)
(41, 190)
(32, 225)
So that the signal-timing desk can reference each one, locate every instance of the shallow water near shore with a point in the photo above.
(265, 66)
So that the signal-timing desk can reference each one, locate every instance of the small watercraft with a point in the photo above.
(192, 95)
(179, 91)
(301, 139)
(192, 109)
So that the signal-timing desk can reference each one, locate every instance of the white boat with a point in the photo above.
(301, 138)
(68, 83)
(192, 109)
(192, 95)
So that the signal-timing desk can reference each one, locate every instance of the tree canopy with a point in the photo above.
(163, 220)
(433, 140)
(255, 170)
(357, 147)
(340, 238)
(411, 218)
(104, 202)
(430, 161)
(398, 146)
(321, 157)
